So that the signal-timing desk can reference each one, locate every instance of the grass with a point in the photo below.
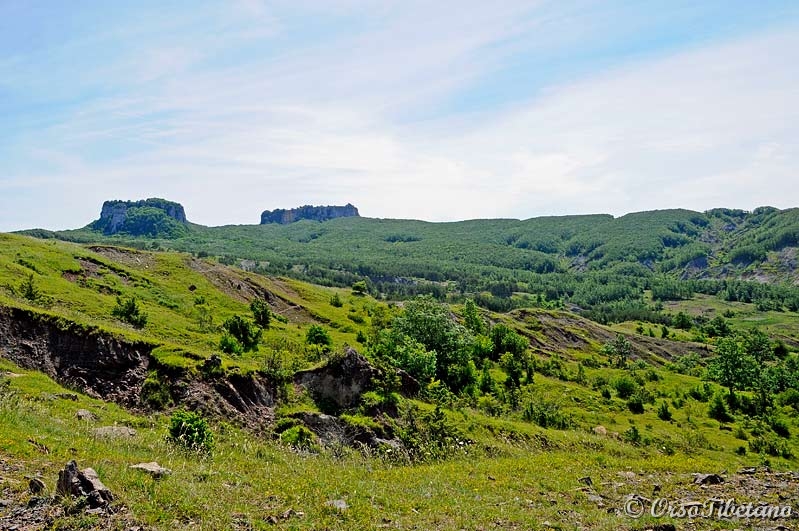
(248, 479)
(515, 474)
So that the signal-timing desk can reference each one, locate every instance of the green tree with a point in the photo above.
(360, 288)
(504, 339)
(429, 322)
(758, 346)
(406, 353)
(261, 313)
(732, 367)
(619, 350)
(28, 289)
(127, 309)
(335, 301)
(472, 318)
(245, 332)
(319, 337)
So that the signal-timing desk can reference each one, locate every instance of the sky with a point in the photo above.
(436, 110)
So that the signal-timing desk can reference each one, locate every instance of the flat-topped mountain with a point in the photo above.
(315, 213)
(152, 217)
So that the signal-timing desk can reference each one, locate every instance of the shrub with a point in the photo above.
(246, 333)
(28, 289)
(155, 392)
(189, 430)
(636, 404)
(261, 313)
(547, 415)
(664, 413)
(625, 386)
(606, 393)
(128, 310)
(335, 301)
(780, 427)
(718, 409)
(770, 445)
(632, 436)
(318, 336)
(299, 437)
(230, 345)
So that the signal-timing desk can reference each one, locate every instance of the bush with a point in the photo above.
(230, 345)
(664, 413)
(718, 409)
(770, 445)
(189, 430)
(261, 313)
(335, 301)
(780, 427)
(128, 310)
(246, 333)
(299, 437)
(318, 336)
(547, 415)
(625, 386)
(632, 436)
(636, 404)
(155, 392)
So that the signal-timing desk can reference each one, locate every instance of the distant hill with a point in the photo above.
(610, 268)
(313, 213)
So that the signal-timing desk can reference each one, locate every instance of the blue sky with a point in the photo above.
(433, 110)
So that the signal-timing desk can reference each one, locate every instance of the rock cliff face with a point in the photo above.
(316, 213)
(111, 368)
(82, 358)
(148, 217)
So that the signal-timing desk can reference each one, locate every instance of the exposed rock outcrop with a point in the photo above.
(83, 483)
(111, 368)
(85, 358)
(340, 383)
(148, 217)
(315, 213)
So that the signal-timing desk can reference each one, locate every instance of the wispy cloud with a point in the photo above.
(347, 101)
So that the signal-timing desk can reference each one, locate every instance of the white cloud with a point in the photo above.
(327, 124)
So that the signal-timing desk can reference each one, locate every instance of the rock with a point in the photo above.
(600, 430)
(587, 480)
(116, 217)
(36, 486)
(315, 213)
(67, 396)
(596, 499)
(114, 432)
(340, 383)
(341, 505)
(663, 527)
(83, 483)
(708, 479)
(748, 471)
(85, 414)
(152, 468)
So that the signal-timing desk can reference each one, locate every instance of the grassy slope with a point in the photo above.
(250, 478)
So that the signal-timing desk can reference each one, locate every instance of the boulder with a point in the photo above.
(85, 414)
(114, 432)
(708, 479)
(152, 468)
(83, 483)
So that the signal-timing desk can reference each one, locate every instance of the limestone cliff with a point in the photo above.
(148, 217)
(315, 213)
